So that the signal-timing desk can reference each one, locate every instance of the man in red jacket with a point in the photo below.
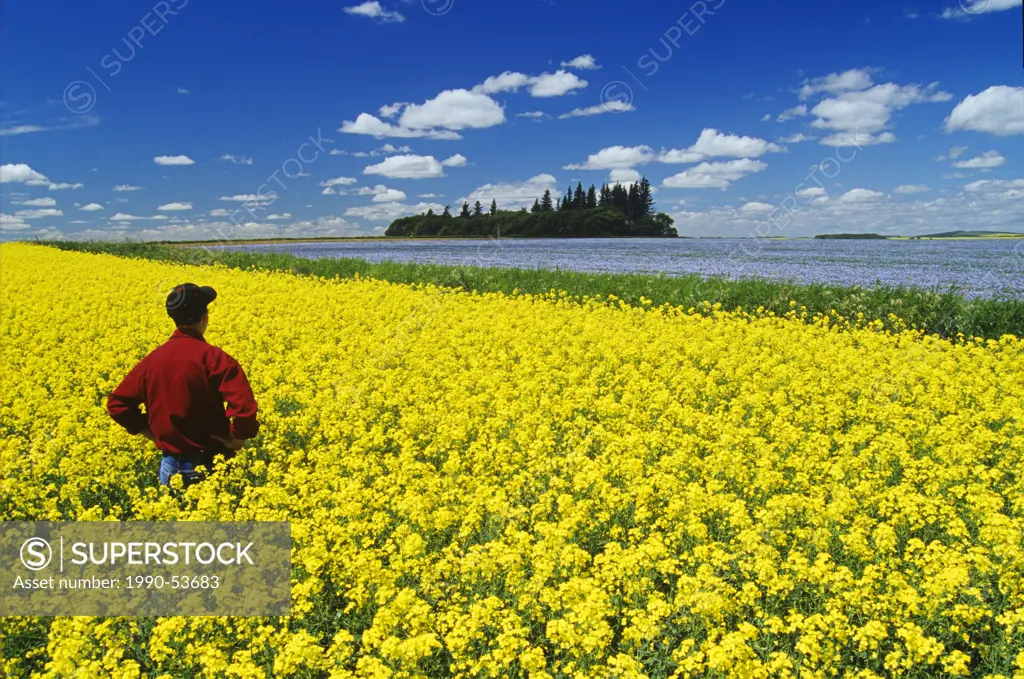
(184, 383)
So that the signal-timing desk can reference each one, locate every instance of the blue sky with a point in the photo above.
(181, 119)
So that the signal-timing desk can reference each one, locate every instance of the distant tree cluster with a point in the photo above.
(611, 211)
(635, 202)
(850, 236)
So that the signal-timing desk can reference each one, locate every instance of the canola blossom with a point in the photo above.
(484, 485)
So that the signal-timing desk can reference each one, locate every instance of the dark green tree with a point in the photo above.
(663, 225)
(595, 223)
(620, 198)
(579, 198)
(645, 197)
(478, 209)
(591, 198)
(632, 203)
(465, 211)
(447, 212)
(494, 207)
(545, 202)
(536, 205)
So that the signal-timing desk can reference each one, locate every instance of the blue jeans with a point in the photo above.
(184, 465)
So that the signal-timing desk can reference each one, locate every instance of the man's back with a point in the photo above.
(183, 384)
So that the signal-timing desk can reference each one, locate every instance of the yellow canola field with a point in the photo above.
(490, 486)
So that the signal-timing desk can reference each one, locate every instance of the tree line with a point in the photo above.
(616, 210)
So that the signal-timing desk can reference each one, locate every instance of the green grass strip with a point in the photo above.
(946, 313)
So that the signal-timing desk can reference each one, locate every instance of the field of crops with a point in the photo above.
(491, 485)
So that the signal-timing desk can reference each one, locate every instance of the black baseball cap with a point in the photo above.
(187, 302)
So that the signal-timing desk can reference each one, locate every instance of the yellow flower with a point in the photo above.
(488, 484)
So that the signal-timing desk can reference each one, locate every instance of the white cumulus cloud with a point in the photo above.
(555, 84)
(454, 110)
(173, 160)
(860, 117)
(989, 185)
(834, 83)
(861, 196)
(458, 160)
(714, 175)
(330, 185)
(796, 138)
(12, 223)
(614, 106)
(124, 217)
(513, 195)
(624, 176)
(250, 198)
(999, 110)
(37, 202)
(583, 62)
(38, 214)
(859, 139)
(616, 157)
(339, 181)
(812, 192)
(407, 167)
(986, 160)
(375, 127)
(715, 144)
(20, 173)
(791, 113)
(382, 194)
(374, 10)
(387, 212)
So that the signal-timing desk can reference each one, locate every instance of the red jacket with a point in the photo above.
(184, 383)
